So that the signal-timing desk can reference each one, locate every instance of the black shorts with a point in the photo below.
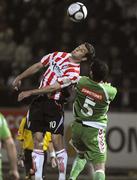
(46, 115)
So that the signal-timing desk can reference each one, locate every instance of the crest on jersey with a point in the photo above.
(56, 69)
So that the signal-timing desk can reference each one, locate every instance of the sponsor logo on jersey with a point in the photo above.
(92, 94)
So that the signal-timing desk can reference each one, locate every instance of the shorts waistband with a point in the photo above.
(93, 124)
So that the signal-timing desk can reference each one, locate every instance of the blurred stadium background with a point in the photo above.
(30, 29)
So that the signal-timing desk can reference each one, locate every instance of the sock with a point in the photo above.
(99, 175)
(38, 159)
(78, 166)
(44, 165)
(62, 158)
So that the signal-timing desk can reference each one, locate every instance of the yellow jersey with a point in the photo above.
(25, 136)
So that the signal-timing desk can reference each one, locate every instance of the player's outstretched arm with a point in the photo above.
(44, 90)
(28, 72)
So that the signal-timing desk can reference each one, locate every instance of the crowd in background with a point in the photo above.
(29, 29)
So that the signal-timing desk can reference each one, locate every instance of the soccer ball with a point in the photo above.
(77, 11)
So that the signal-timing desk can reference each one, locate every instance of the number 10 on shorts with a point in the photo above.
(52, 124)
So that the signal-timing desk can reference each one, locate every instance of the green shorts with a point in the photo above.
(90, 142)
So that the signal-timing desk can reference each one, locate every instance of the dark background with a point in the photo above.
(31, 29)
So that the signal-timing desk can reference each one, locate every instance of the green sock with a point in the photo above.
(99, 175)
(78, 166)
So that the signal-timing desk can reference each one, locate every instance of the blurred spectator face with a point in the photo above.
(114, 51)
(9, 35)
(1, 36)
(105, 39)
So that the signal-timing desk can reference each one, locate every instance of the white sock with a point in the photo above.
(62, 158)
(38, 158)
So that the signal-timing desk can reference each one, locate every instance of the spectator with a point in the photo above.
(23, 54)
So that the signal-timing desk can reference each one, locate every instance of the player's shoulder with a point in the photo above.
(110, 88)
(83, 79)
(3, 121)
(109, 85)
(2, 118)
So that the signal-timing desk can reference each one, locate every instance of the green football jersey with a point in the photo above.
(4, 133)
(92, 100)
(4, 129)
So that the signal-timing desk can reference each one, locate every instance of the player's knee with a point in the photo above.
(57, 140)
(38, 139)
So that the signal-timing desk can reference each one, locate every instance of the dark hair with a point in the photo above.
(99, 70)
(91, 50)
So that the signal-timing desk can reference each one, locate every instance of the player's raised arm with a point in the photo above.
(28, 72)
(61, 83)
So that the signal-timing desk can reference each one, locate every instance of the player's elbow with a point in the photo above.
(38, 66)
(55, 87)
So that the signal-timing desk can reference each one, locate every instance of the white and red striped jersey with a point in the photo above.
(60, 70)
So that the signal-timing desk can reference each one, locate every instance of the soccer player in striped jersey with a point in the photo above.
(46, 111)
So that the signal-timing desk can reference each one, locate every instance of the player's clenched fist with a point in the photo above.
(24, 94)
(16, 83)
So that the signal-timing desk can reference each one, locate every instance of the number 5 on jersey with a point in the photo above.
(88, 104)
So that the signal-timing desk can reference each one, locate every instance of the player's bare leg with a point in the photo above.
(61, 154)
(38, 155)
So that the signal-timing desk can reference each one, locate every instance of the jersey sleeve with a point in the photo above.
(112, 91)
(20, 135)
(71, 76)
(4, 129)
(46, 59)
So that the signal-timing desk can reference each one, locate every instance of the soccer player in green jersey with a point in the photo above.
(93, 97)
(6, 137)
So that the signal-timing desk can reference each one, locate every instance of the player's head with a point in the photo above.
(83, 52)
(99, 70)
(91, 51)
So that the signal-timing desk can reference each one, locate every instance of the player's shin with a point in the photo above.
(99, 175)
(38, 160)
(62, 158)
(78, 166)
